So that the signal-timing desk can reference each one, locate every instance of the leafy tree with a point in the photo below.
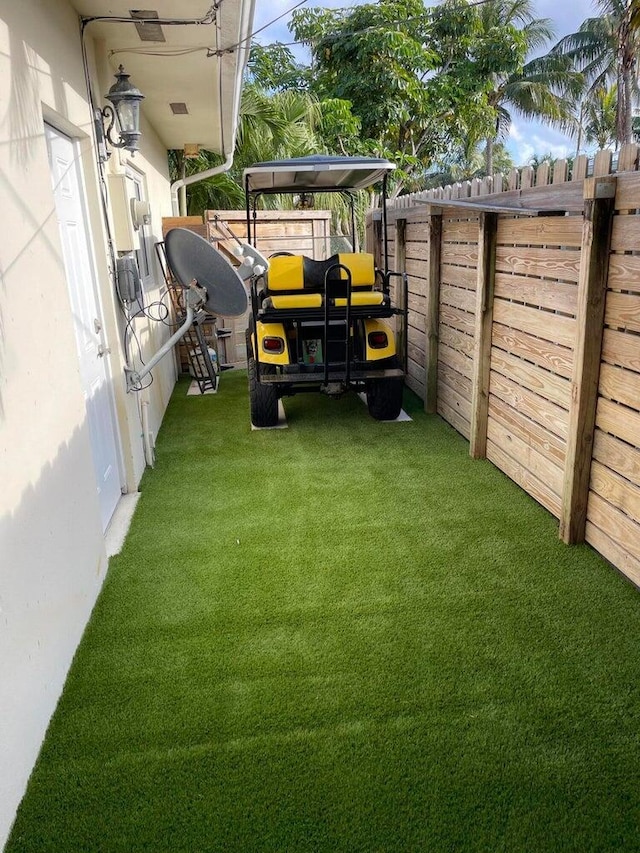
(605, 50)
(273, 68)
(417, 80)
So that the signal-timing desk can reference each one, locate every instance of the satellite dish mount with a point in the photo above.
(211, 286)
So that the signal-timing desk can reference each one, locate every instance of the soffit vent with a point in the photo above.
(147, 30)
(179, 109)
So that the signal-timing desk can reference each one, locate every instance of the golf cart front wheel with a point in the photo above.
(263, 398)
(384, 398)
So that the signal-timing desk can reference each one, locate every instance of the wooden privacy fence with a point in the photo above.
(524, 334)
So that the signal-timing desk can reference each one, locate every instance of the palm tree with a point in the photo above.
(600, 114)
(271, 127)
(605, 50)
(545, 87)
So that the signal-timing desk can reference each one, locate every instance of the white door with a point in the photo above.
(87, 317)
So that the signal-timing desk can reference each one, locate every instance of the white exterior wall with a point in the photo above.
(52, 554)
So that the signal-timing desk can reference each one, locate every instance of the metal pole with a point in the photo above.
(384, 224)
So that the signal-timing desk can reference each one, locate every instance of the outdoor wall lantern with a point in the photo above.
(125, 112)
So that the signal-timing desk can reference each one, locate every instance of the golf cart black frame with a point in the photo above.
(331, 376)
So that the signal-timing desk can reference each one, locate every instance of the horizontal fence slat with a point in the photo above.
(417, 251)
(558, 296)
(460, 320)
(525, 479)
(533, 378)
(545, 442)
(613, 551)
(459, 232)
(524, 454)
(620, 385)
(416, 268)
(625, 234)
(456, 340)
(458, 297)
(543, 324)
(617, 491)
(454, 399)
(542, 230)
(628, 191)
(460, 255)
(614, 523)
(624, 272)
(619, 421)
(551, 356)
(621, 348)
(460, 384)
(549, 263)
(455, 359)
(417, 304)
(416, 354)
(539, 410)
(453, 417)
(459, 276)
(622, 311)
(617, 455)
(416, 386)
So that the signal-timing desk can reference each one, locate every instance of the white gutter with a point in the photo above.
(193, 179)
(243, 46)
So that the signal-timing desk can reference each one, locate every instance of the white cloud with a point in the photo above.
(531, 139)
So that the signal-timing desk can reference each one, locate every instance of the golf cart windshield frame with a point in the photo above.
(349, 173)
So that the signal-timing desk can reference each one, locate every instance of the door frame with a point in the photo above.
(76, 137)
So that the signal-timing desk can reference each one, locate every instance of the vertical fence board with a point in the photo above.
(432, 319)
(487, 233)
(592, 285)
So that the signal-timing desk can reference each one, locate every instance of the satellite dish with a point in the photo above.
(211, 284)
(192, 257)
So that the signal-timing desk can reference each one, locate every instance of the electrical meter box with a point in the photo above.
(126, 236)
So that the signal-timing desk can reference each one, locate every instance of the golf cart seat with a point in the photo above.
(295, 281)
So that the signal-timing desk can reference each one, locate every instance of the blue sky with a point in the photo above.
(526, 138)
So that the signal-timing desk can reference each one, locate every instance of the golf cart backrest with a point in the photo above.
(298, 282)
(295, 273)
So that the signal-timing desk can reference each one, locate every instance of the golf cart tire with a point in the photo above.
(384, 398)
(263, 399)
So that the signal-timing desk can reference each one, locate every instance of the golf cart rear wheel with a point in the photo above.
(263, 398)
(384, 398)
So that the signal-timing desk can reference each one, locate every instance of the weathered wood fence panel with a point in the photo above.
(613, 510)
(528, 327)
(532, 349)
(456, 310)
(417, 268)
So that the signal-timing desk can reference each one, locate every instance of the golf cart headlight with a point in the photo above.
(273, 345)
(378, 340)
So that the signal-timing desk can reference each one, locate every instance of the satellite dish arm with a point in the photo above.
(135, 377)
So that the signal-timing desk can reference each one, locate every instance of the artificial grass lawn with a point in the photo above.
(343, 636)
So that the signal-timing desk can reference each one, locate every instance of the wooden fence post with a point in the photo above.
(373, 237)
(488, 231)
(432, 318)
(400, 265)
(599, 195)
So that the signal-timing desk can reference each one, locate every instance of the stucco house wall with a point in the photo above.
(52, 546)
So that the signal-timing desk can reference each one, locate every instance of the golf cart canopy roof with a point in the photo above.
(316, 173)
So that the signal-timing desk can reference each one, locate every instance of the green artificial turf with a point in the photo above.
(343, 636)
